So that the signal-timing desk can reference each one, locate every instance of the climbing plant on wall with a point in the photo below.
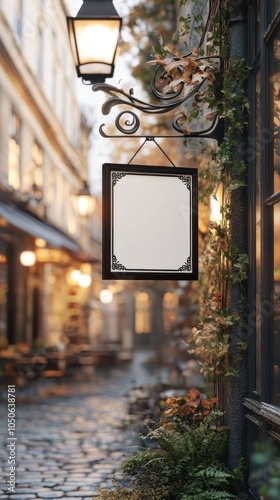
(221, 263)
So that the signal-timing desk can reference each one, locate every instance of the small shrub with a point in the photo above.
(187, 458)
(132, 493)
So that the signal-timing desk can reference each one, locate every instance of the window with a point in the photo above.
(33, 175)
(50, 187)
(276, 329)
(258, 221)
(14, 152)
(263, 403)
(142, 313)
(265, 171)
(275, 201)
(3, 294)
(37, 164)
(170, 310)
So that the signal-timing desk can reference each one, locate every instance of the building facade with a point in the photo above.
(262, 150)
(253, 398)
(43, 163)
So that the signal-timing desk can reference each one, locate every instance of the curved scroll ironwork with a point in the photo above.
(170, 100)
(129, 100)
(131, 124)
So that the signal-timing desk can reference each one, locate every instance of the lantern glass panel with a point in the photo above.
(96, 44)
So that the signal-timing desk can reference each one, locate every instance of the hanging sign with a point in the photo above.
(150, 223)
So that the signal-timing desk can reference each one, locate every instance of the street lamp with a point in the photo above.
(85, 201)
(94, 35)
(178, 80)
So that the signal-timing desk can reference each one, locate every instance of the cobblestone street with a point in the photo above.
(71, 435)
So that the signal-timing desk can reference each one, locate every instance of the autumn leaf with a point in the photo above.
(162, 62)
(172, 50)
(210, 116)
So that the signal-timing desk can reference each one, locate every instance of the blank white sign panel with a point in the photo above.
(149, 222)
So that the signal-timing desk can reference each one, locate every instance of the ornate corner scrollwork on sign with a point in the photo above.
(116, 176)
(186, 266)
(186, 179)
(116, 265)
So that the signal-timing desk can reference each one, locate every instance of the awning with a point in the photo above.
(37, 228)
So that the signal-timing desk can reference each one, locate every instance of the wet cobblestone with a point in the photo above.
(71, 437)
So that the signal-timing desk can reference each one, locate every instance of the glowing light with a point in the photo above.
(27, 258)
(40, 242)
(106, 296)
(84, 280)
(75, 275)
(215, 206)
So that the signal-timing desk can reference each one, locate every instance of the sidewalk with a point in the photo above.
(70, 436)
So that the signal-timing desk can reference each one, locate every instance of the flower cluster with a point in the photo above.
(191, 409)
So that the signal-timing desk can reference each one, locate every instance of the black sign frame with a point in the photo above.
(149, 222)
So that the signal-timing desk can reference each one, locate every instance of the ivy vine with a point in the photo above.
(221, 263)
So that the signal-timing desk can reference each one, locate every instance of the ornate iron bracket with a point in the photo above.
(128, 122)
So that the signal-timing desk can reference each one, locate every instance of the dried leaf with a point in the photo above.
(199, 77)
(210, 116)
(172, 50)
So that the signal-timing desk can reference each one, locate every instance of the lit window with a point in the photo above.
(142, 313)
(275, 344)
(170, 309)
(3, 294)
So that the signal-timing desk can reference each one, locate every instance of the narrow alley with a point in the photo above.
(71, 435)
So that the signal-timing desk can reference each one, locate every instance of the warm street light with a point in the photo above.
(74, 276)
(84, 280)
(27, 258)
(106, 296)
(94, 35)
(85, 201)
